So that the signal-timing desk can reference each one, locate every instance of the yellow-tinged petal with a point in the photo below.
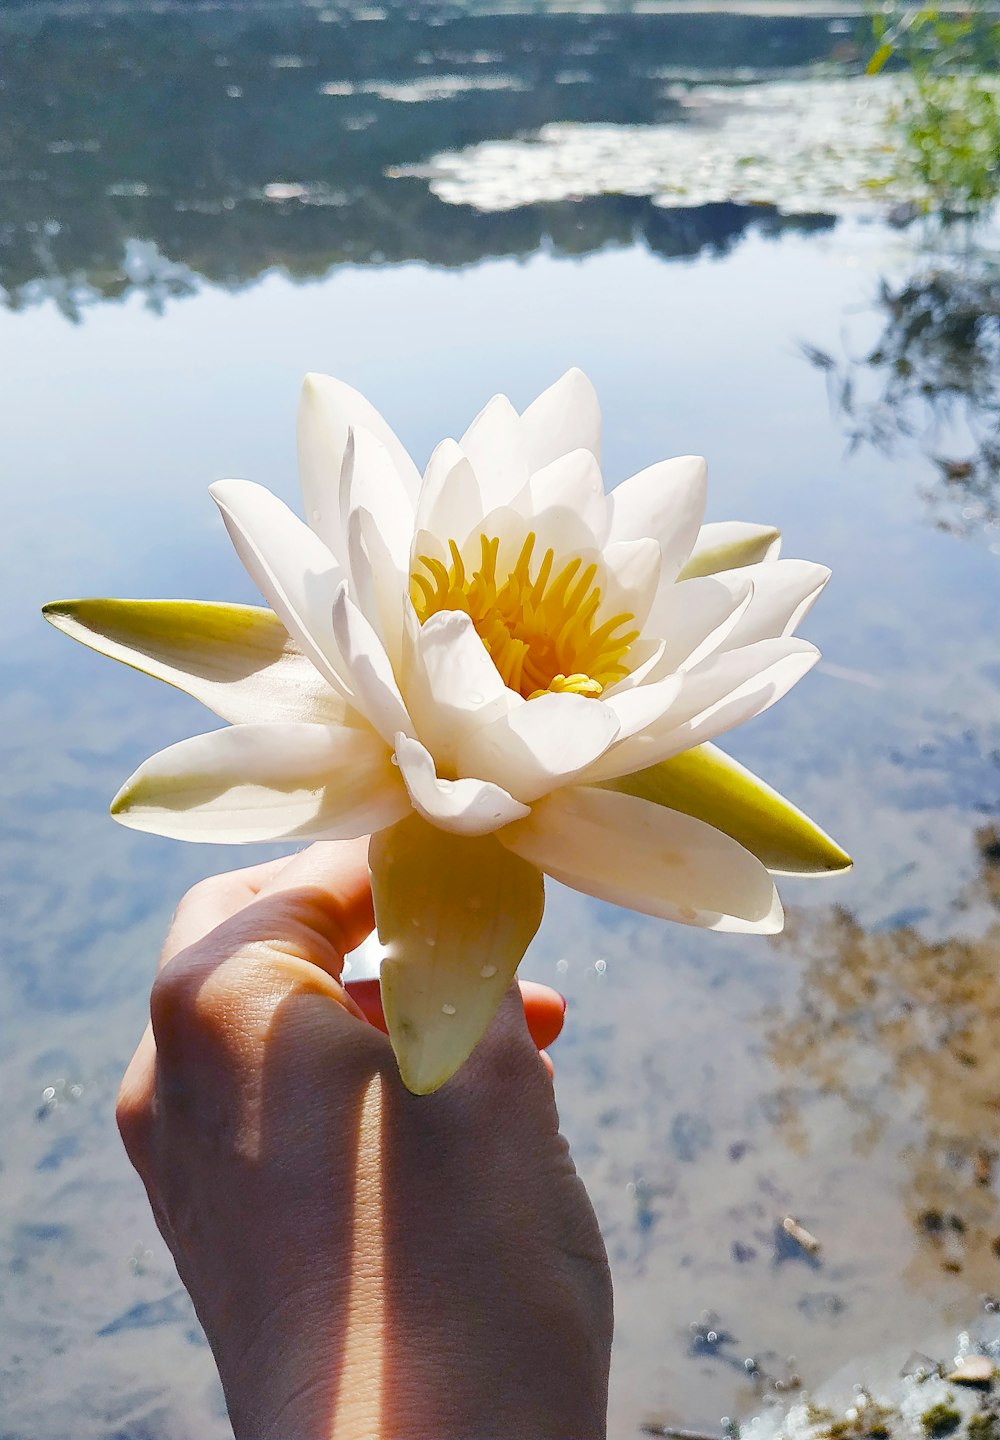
(711, 786)
(729, 545)
(237, 659)
(455, 913)
(249, 783)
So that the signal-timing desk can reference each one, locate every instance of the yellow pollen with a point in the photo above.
(537, 628)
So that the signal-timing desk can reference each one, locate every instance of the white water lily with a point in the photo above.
(497, 670)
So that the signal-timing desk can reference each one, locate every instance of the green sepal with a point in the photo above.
(711, 786)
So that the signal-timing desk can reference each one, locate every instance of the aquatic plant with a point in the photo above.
(949, 114)
(498, 671)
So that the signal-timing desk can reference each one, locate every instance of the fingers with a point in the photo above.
(214, 900)
(337, 869)
(335, 874)
(544, 1008)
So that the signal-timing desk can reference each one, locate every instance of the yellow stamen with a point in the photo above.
(538, 630)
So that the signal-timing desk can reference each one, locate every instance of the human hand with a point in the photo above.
(365, 1263)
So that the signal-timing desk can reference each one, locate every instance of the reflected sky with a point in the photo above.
(709, 1085)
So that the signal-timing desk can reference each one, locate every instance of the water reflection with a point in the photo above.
(933, 377)
(903, 1033)
(140, 151)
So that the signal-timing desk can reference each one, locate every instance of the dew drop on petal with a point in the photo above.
(600, 966)
(394, 758)
(448, 1010)
(430, 940)
(488, 971)
(562, 966)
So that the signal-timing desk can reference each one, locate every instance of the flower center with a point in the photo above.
(538, 627)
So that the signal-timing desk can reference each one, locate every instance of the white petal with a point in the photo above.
(376, 587)
(646, 858)
(450, 683)
(728, 544)
(494, 445)
(266, 782)
(455, 915)
(237, 659)
(665, 501)
(789, 661)
(784, 591)
(327, 410)
(370, 481)
(450, 504)
(376, 692)
(465, 807)
(539, 745)
(574, 482)
(643, 705)
(292, 568)
(565, 417)
(720, 693)
(696, 617)
(633, 578)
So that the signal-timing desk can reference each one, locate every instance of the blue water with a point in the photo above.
(696, 1121)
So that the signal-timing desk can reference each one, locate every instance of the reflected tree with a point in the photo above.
(142, 149)
(933, 378)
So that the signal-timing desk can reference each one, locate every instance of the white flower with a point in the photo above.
(497, 670)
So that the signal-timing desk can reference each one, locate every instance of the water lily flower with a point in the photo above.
(497, 670)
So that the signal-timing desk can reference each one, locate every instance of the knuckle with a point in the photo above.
(134, 1115)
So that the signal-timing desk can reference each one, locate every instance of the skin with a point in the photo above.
(365, 1263)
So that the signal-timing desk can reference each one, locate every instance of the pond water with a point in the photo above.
(194, 211)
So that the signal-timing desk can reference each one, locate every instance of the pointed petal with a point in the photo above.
(450, 504)
(573, 481)
(451, 685)
(465, 807)
(375, 583)
(720, 693)
(770, 668)
(711, 786)
(566, 416)
(784, 591)
(237, 659)
(265, 782)
(729, 545)
(539, 745)
(665, 501)
(659, 862)
(493, 444)
(291, 567)
(376, 693)
(455, 915)
(697, 617)
(370, 481)
(327, 410)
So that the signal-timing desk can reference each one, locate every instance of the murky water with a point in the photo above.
(165, 296)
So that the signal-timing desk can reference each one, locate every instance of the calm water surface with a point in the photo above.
(155, 339)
